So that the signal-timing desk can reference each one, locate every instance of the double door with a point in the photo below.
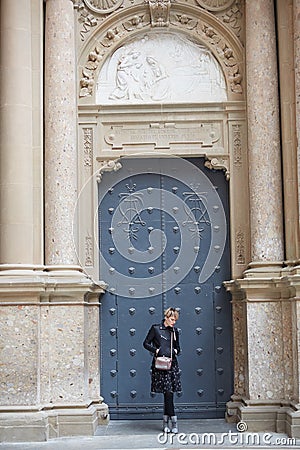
(163, 241)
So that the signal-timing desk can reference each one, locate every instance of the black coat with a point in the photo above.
(159, 337)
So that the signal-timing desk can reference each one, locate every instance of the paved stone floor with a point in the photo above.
(145, 434)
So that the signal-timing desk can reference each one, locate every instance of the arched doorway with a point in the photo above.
(137, 111)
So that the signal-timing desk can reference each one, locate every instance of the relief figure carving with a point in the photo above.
(137, 78)
(157, 68)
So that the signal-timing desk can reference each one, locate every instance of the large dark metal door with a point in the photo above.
(164, 242)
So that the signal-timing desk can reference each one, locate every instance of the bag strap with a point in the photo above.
(172, 344)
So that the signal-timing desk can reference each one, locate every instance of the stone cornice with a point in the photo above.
(47, 284)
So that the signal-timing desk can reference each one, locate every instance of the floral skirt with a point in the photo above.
(166, 380)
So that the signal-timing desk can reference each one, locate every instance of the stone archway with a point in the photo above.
(109, 130)
(195, 23)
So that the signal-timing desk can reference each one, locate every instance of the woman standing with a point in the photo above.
(159, 340)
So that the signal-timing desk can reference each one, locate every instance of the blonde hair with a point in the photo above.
(171, 312)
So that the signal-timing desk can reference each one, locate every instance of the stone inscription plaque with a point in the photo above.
(163, 135)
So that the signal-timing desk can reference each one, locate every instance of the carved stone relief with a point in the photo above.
(87, 147)
(237, 145)
(93, 12)
(240, 256)
(89, 251)
(206, 68)
(161, 67)
(159, 12)
(233, 18)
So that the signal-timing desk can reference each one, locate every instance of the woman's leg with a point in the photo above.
(169, 410)
(169, 404)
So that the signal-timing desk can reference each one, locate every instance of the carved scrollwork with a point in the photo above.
(220, 163)
(108, 166)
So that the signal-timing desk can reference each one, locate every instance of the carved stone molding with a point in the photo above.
(233, 18)
(107, 166)
(224, 47)
(87, 21)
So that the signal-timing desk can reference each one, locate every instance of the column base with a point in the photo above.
(292, 421)
(269, 417)
(39, 426)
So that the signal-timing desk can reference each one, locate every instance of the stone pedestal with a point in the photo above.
(266, 388)
(49, 353)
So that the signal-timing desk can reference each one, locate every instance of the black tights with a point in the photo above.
(169, 404)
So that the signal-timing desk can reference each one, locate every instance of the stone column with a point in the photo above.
(16, 155)
(263, 370)
(60, 133)
(288, 78)
(293, 415)
(49, 340)
(296, 14)
(263, 133)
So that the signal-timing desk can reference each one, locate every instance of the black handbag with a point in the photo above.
(164, 362)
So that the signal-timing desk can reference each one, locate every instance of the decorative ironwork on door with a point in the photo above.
(163, 233)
